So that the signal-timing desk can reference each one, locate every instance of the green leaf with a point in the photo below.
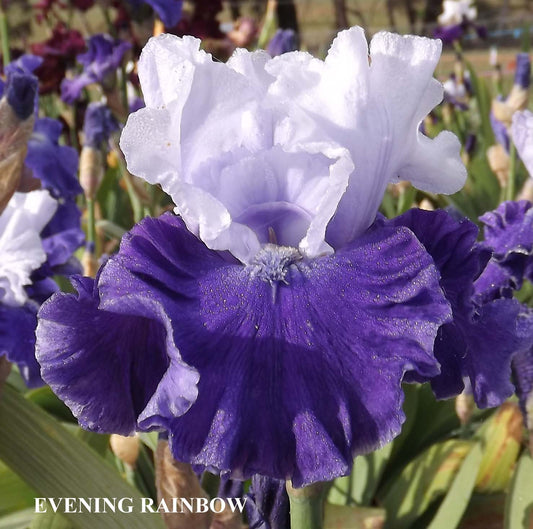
(46, 399)
(14, 493)
(342, 517)
(367, 472)
(456, 501)
(57, 465)
(519, 506)
(50, 520)
(427, 421)
(423, 481)
(17, 520)
(484, 101)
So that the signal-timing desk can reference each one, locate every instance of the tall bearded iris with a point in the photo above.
(269, 326)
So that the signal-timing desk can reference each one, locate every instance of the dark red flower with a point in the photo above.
(59, 52)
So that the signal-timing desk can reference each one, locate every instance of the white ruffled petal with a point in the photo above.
(522, 133)
(229, 142)
(21, 250)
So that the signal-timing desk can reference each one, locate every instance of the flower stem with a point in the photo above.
(307, 506)
(511, 185)
(91, 222)
(4, 35)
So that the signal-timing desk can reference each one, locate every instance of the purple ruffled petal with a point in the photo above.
(509, 228)
(105, 366)
(290, 385)
(63, 235)
(480, 341)
(102, 59)
(55, 165)
(509, 233)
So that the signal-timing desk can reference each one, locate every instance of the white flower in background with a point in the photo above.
(455, 12)
(454, 89)
(285, 148)
(522, 133)
(21, 251)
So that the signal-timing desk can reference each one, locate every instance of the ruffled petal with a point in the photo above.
(509, 228)
(522, 132)
(108, 368)
(376, 119)
(289, 386)
(55, 165)
(205, 120)
(480, 341)
(21, 251)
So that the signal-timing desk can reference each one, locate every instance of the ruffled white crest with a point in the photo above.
(455, 11)
(287, 143)
(21, 250)
(522, 133)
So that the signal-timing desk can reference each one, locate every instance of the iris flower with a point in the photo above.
(268, 327)
(99, 64)
(456, 19)
(39, 230)
(508, 233)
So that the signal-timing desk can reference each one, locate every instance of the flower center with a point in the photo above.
(272, 263)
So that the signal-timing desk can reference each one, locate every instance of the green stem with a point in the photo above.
(91, 222)
(124, 88)
(306, 506)
(4, 35)
(511, 185)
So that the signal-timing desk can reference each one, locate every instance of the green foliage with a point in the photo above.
(57, 464)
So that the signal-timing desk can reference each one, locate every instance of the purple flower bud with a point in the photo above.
(98, 126)
(21, 91)
(523, 70)
(284, 41)
(26, 63)
(470, 143)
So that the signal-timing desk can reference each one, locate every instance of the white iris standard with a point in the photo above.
(292, 150)
(21, 251)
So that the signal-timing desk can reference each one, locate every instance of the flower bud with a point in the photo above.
(16, 125)
(464, 406)
(125, 448)
(499, 163)
(89, 263)
(91, 170)
(177, 480)
(502, 440)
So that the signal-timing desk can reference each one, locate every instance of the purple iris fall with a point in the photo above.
(508, 232)
(269, 325)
